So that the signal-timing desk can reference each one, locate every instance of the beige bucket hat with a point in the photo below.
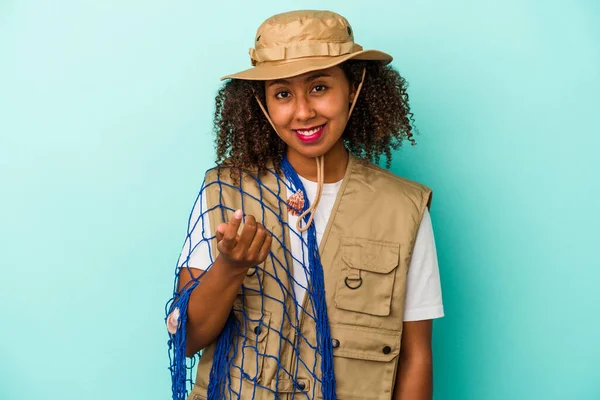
(297, 42)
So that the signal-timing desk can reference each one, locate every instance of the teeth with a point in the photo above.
(309, 132)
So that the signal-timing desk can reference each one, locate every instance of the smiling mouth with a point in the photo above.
(309, 132)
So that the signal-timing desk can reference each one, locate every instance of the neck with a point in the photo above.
(336, 160)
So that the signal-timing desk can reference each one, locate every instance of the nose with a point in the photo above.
(304, 110)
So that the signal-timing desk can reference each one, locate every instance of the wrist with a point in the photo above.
(232, 270)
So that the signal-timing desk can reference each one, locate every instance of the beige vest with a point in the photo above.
(365, 251)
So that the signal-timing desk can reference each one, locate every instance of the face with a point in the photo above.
(310, 111)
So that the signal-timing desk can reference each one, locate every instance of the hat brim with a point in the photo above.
(289, 69)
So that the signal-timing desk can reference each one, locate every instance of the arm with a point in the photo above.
(414, 380)
(211, 301)
(423, 304)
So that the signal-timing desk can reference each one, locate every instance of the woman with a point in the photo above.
(307, 270)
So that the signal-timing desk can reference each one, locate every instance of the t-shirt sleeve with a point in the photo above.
(196, 252)
(423, 287)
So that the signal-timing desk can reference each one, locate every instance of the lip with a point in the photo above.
(312, 138)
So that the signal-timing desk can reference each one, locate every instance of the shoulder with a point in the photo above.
(385, 182)
(233, 178)
(228, 173)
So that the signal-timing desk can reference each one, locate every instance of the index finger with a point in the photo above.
(233, 226)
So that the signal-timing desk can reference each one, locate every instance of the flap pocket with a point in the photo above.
(367, 270)
(366, 359)
(370, 255)
(254, 324)
(248, 350)
(365, 343)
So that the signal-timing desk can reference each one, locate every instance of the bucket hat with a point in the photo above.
(297, 42)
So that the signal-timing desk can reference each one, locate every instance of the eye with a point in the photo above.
(320, 88)
(282, 95)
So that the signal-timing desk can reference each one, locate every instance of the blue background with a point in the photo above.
(105, 131)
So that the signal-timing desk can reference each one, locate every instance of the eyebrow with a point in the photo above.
(307, 79)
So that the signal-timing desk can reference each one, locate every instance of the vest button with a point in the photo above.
(257, 330)
(387, 350)
(301, 385)
(335, 343)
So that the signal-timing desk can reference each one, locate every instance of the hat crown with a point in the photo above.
(301, 34)
(297, 42)
(303, 27)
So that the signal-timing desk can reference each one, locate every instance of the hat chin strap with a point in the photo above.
(320, 161)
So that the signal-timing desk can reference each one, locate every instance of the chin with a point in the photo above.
(311, 151)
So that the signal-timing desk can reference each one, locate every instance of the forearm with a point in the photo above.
(210, 304)
(415, 379)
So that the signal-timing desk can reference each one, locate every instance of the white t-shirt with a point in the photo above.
(423, 292)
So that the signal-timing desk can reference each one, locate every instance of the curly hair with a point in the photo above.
(381, 119)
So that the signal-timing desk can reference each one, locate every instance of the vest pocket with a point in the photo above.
(365, 362)
(250, 342)
(367, 274)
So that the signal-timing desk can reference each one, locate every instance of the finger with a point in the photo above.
(220, 232)
(257, 242)
(247, 235)
(266, 248)
(230, 234)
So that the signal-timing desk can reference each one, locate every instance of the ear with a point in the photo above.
(352, 93)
